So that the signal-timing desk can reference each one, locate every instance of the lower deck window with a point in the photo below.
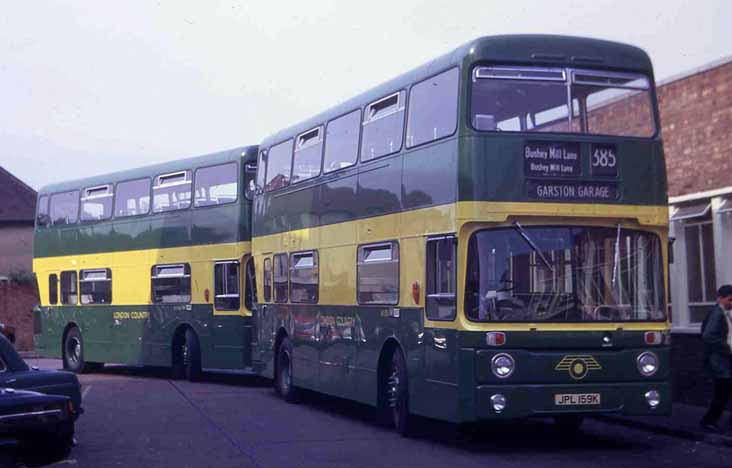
(95, 286)
(267, 280)
(304, 277)
(378, 273)
(69, 291)
(280, 278)
(441, 278)
(53, 289)
(226, 286)
(171, 284)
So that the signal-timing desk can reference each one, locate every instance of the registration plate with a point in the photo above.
(576, 399)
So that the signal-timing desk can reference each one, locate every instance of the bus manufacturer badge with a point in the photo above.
(578, 365)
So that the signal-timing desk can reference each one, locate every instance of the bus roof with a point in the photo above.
(526, 49)
(234, 154)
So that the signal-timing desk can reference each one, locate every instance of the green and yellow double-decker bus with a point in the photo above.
(149, 266)
(484, 237)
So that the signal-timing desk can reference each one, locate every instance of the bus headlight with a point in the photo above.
(647, 363)
(502, 365)
(653, 398)
(499, 402)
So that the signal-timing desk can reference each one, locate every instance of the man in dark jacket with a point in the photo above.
(717, 338)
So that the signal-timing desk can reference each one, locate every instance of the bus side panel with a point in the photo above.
(436, 395)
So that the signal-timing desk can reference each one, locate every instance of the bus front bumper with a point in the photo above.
(518, 401)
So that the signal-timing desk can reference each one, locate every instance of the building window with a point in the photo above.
(69, 295)
(341, 142)
(280, 278)
(96, 203)
(216, 185)
(132, 198)
(267, 280)
(172, 192)
(53, 289)
(383, 127)
(700, 269)
(226, 285)
(95, 286)
(65, 207)
(378, 273)
(433, 108)
(441, 278)
(304, 277)
(171, 284)
(279, 166)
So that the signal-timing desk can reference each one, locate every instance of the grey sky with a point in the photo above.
(90, 87)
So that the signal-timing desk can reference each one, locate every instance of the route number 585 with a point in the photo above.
(604, 157)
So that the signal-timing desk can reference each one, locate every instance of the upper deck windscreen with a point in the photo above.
(530, 99)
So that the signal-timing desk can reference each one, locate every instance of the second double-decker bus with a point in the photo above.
(484, 237)
(148, 266)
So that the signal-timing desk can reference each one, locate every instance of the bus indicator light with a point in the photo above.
(415, 292)
(653, 337)
(495, 338)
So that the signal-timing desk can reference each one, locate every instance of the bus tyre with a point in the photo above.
(397, 394)
(283, 372)
(569, 424)
(74, 351)
(192, 357)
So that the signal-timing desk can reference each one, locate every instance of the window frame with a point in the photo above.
(195, 179)
(225, 284)
(316, 267)
(359, 126)
(429, 269)
(108, 278)
(84, 195)
(409, 100)
(268, 158)
(319, 139)
(359, 262)
(187, 273)
(149, 196)
(698, 224)
(78, 207)
(400, 107)
(156, 184)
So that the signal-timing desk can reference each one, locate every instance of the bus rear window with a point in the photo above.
(557, 100)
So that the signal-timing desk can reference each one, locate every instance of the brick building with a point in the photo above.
(18, 290)
(696, 118)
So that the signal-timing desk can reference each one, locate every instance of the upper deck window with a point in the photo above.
(42, 218)
(383, 127)
(96, 203)
(133, 198)
(65, 207)
(528, 99)
(308, 151)
(341, 142)
(172, 191)
(279, 166)
(216, 185)
(433, 108)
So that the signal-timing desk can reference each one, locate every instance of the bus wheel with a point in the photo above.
(569, 424)
(397, 394)
(192, 357)
(283, 373)
(74, 351)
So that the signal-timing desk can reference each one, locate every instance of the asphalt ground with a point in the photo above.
(140, 418)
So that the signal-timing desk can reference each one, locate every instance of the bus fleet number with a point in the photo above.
(604, 157)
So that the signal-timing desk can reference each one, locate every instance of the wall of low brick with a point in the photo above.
(16, 309)
(16, 248)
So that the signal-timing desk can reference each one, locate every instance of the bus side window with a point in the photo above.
(441, 284)
(95, 286)
(267, 280)
(171, 284)
(304, 277)
(42, 218)
(53, 289)
(280, 278)
(69, 295)
(378, 273)
(226, 285)
(250, 295)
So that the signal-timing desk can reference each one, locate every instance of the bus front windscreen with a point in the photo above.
(564, 274)
(525, 99)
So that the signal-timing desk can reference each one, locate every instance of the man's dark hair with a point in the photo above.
(725, 291)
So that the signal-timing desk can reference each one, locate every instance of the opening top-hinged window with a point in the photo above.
(687, 212)
(96, 203)
(100, 191)
(172, 191)
(383, 107)
(379, 253)
(308, 154)
(96, 275)
(176, 178)
(309, 138)
(95, 286)
(170, 271)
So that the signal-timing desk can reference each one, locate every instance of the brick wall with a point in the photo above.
(696, 121)
(16, 309)
(16, 248)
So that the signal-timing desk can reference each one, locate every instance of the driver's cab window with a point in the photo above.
(441, 284)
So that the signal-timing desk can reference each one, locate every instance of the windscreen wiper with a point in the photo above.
(616, 260)
(528, 240)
